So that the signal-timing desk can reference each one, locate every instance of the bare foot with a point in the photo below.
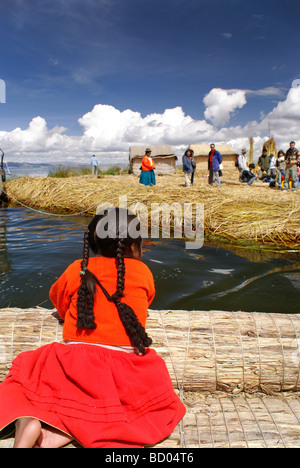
(28, 430)
(52, 438)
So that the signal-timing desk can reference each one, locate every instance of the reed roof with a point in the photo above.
(158, 150)
(203, 150)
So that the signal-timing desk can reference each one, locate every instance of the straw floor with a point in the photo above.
(235, 212)
(237, 373)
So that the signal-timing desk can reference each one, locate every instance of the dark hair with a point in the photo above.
(279, 152)
(113, 242)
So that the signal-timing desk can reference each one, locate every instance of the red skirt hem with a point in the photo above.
(100, 397)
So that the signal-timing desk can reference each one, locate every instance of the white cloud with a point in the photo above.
(221, 103)
(227, 35)
(268, 91)
(109, 132)
(284, 119)
(107, 128)
(36, 139)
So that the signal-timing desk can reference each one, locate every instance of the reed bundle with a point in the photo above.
(237, 373)
(204, 351)
(235, 212)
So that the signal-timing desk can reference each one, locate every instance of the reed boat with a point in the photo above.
(237, 373)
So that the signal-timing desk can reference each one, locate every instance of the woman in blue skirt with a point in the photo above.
(147, 176)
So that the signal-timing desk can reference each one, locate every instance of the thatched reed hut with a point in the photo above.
(163, 155)
(270, 146)
(228, 154)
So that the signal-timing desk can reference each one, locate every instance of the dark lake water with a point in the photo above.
(35, 249)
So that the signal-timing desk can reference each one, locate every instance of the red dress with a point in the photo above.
(100, 397)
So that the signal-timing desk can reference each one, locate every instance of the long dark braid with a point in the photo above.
(87, 290)
(121, 270)
(134, 329)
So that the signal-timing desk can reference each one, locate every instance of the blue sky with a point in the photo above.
(61, 58)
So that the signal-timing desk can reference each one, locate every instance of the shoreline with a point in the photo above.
(236, 213)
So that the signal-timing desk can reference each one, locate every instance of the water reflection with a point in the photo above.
(38, 248)
(35, 249)
(4, 262)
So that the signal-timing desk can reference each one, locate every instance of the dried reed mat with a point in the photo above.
(204, 351)
(235, 211)
(237, 373)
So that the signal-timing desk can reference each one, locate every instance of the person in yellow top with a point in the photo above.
(147, 176)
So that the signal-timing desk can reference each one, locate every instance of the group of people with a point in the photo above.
(147, 176)
(282, 171)
(214, 166)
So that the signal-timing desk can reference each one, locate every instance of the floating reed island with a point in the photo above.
(235, 212)
(237, 373)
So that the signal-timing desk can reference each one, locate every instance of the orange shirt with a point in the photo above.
(139, 292)
(147, 164)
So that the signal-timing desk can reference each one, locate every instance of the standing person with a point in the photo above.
(291, 158)
(147, 176)
(273, 169)
(194, 166)
(263, 164)
(214, 161)
(187, 167)
(94, 163)
(103, 386)
(281, 167)
(242, 163)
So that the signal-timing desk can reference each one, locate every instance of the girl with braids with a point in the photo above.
(103, 386)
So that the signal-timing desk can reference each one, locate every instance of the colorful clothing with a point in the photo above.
(147, 163)
(100, 397)
(138, 294)
(214, 160)
(147, 176)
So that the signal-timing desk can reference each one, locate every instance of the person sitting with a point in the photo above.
(248, 175)
(103, 386)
